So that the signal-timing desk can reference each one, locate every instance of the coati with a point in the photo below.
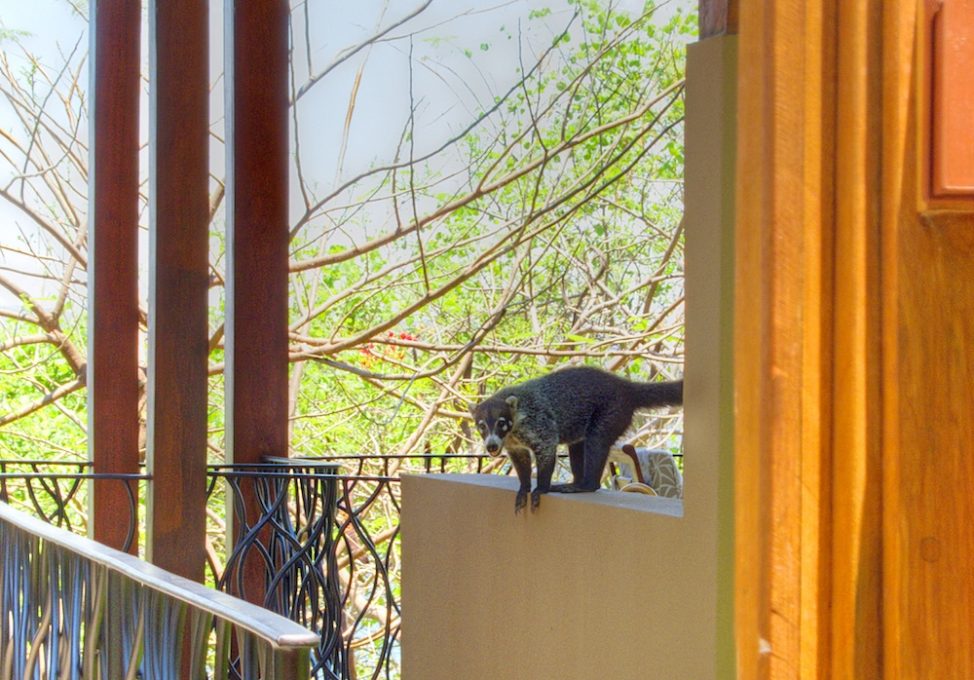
(586, 408)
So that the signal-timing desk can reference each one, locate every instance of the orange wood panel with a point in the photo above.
(751, 507)
(113, 325)
(929, 347)
(817, 353)
(856, 580)
(874, 551)
(934, 549)
(787, 231)
(781, 281)
(178, 284)
(807, 336)
(900, 187)
(950, 36)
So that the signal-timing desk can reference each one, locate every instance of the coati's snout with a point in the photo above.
(495, 420)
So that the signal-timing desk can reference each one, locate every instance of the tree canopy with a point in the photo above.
(533, 219)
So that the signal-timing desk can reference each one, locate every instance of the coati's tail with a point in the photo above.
(651, 395)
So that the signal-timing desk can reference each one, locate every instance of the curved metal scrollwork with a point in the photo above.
(325, 535)
(315, 540)
(53, 491)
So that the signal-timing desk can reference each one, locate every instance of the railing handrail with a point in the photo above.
(276, 630)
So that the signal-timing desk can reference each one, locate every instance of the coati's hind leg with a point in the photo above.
(521, 460)
(576, 456)
(596, 447)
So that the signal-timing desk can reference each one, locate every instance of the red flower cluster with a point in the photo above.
(368, 349)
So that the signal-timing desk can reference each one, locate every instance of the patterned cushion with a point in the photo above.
(664, 476)
(657, 469)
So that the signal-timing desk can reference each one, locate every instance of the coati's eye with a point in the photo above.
(502, 424)
(482, 428)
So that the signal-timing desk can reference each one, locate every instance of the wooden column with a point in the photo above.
(113, 321)
(717, 17)
(786, 390)
(257, 235)
(178, 284)
(257, 229)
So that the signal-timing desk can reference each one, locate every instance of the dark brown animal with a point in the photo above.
(586, 408)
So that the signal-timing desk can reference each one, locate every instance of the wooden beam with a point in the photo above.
(784, 326)
(256, 361)
(113, 326)
(718, 17)
(257, 229)
(178, 284)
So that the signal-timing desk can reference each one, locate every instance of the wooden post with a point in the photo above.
(113, 326)
(784, 322)
(178, 284)
(257, 229)
(257, 232)
(717, 17)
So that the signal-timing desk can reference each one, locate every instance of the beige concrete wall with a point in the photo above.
(587, 587)
(605, 585)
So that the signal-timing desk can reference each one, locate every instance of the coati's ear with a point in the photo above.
(512, 402)
(472, 407)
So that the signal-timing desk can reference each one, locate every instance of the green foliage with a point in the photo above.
(556, 240)
(546, 231)
(27, 374)
(562, 226)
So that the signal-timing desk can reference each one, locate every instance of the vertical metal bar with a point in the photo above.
(113, 379)
(68, 611)
(257, 237)
(178, 284)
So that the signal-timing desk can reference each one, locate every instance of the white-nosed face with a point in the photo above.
(495, 420)
(493, 433)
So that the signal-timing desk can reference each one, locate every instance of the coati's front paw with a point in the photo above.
(535, 500)
(520, 501)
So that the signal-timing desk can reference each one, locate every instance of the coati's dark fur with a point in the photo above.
(586, 408)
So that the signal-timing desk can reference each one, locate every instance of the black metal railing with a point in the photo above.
(71, 608)
(55, 491)
(284, 531)
(323, 532)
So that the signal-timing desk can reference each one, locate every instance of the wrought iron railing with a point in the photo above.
(55, 492)
(73, 608)
(324, 533)
(284, 528)
(336, 572)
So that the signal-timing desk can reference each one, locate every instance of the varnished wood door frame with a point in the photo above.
(852, 299)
